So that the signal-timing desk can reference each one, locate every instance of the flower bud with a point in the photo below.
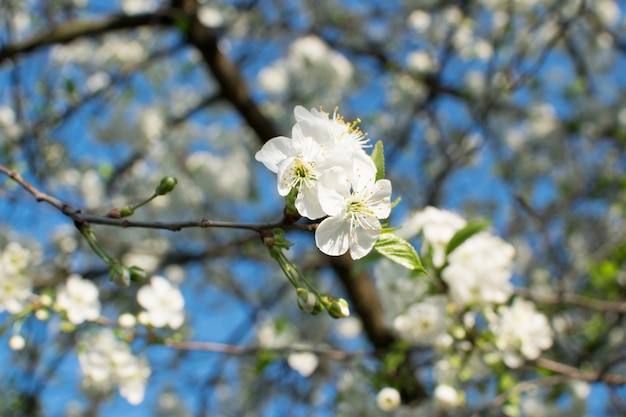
(306, 300)
(339, 308)
(137, 273)
(388, 399)
(42, 314)
(167, 184)
(121, 212)
(120, 275)
(17, 342)
(127, 320)
(267, 237)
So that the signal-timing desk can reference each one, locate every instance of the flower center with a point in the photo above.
(302, 174)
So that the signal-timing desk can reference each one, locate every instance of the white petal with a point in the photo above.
(334, 188)
(380, 201)
(332, 236)
(365, 238)
(146, 297)
(283, 181)
(274, 151)
(363, 171)
(308, 203)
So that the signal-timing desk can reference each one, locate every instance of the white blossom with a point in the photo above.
(15, 258)
(479, 270)
(304, 363)
(164, 303)
(331, 132)
(388, 399)
(354, 203)
(447, 397)
(437, 226)
(78, 298)
(14, 290)
(106, 361)
(424, 322)
(17, 342)
(298, 162)
(521, 332)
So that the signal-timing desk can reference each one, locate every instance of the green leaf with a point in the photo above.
(399, 251)
(465, 233)
(378, 156)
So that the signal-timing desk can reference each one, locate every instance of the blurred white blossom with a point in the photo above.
(107, 362)
(304, 363)
(437, 226)
(14, 258)
(424, 321)
(79, 299)
(521, 332)
(480, 270)
(164, 303)
(388, 399)
(15, 285)
(447, 397)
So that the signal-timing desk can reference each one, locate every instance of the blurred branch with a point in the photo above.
(574, 299)
(520, 388)
(73, 30)
(335, 354)
(576, 373)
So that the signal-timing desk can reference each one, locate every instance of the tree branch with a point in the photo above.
(80, 217)
(334, 354)
(576, 373)
(73, 30)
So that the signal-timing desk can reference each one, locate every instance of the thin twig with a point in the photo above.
(80, 217)
(575, 373)
(334, 354)
(574, 299)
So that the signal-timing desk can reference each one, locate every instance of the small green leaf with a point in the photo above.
(378, 156)
(462, 235)
(399, 251)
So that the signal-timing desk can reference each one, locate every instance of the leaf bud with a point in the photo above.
(167, 184)
(121, 212)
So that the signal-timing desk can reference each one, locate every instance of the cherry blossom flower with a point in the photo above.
(480, 270)
(438, 227)
(14, 289)
(521, 332)
(78, 297)
(106, 361)
(14, 258)
(330, 131)
(355, 202)
(425, 321)
(164, 303)
(298, 161)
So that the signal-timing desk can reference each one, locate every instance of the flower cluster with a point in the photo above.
(15, 285)
(521, 332)
(107, 362)
(325, 167)
(476, 268)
